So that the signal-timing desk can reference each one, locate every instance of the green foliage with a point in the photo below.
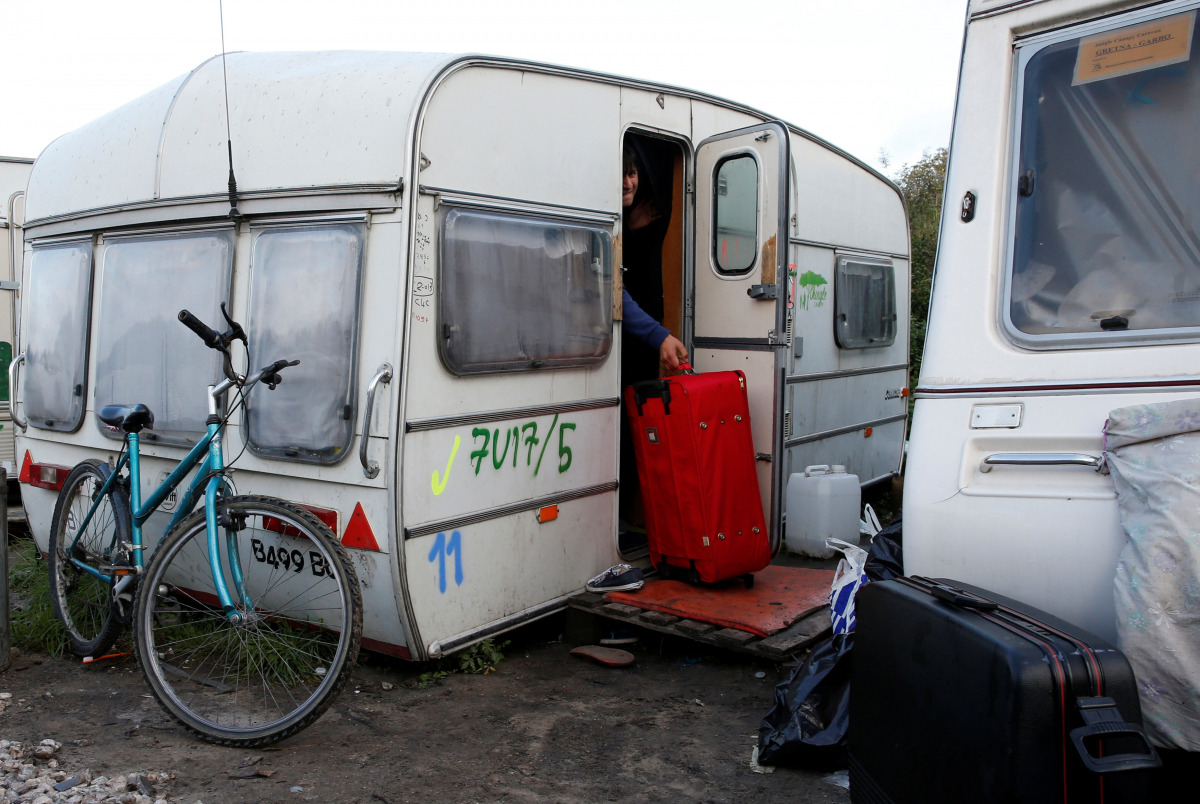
(922, 185)
(33, 626)
(480, 658)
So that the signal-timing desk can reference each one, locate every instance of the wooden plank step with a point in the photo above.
(785, 644)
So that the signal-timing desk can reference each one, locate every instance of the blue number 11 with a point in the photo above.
(443, 547)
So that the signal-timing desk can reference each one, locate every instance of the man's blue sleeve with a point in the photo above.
(640, 325)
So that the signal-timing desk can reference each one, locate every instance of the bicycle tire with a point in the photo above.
(273, 674)
(83, 603)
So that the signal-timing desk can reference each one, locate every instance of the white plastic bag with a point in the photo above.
(849, 576)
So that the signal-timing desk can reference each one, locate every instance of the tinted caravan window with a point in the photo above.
(59, 312)
(521, 292)
(143, 353)
(304, 292)
(1106, 247)
(865, 299)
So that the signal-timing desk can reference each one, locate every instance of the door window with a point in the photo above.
(735, 213)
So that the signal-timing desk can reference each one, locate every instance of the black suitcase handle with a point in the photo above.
(958, 597)
(652, 389)
(1101, 718)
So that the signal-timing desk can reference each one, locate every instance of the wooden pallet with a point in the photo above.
(783, 645)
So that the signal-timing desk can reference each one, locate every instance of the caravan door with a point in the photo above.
(739, 280)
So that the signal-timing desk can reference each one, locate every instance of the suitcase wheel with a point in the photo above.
(749, 579)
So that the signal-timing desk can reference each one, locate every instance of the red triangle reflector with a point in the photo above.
(358, 531)
(26, 469)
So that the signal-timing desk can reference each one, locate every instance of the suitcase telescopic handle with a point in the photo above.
(1102, 719)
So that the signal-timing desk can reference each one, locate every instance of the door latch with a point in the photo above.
(765, 292)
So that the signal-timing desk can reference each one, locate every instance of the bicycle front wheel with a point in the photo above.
(83, 601)
(272, 666)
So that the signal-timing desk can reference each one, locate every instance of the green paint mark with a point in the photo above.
(477, 455)
(531, 440)
(812, 279)
(563, 450)
(544, 443)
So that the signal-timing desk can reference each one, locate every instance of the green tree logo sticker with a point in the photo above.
(813, 290)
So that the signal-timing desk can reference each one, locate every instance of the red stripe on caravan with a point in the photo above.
(358, 531)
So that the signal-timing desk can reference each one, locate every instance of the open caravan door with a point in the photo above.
(740, 279)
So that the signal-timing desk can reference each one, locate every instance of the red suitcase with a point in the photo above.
(695, 461)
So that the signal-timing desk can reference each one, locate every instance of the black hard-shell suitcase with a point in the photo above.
(960, 695)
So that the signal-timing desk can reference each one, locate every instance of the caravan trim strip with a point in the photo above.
(502, 203)
(797, 379)
(442, 647)
(795, 442)
(866, 252)
(1057, 389)
(442, 422)
(507, 510)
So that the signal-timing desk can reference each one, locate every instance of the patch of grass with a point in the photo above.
(33, 626)
(480, 658)
(271, 650)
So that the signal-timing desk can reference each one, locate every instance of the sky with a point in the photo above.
(873, 77)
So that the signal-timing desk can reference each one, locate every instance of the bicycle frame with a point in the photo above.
(208, 454)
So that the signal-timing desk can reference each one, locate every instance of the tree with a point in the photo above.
(922, 185)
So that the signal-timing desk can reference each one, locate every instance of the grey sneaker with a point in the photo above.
(621, 578)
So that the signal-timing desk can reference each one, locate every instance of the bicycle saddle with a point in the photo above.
(130, 418)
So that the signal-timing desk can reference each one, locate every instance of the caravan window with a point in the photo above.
(865, 303)
(304, 292)
(143, 353)
(1106, 206)
(59, 307)
(735, 213)
(521, 292)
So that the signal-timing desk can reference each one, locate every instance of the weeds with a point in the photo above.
(33, 626)
(480, 658)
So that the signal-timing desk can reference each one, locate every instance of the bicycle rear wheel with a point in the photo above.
(295, 642)
(84, 603)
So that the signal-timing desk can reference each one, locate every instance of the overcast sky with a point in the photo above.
(867, 75)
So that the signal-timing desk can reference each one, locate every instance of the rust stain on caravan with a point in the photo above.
(768, 262)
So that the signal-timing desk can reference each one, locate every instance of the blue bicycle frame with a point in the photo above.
(209, 478)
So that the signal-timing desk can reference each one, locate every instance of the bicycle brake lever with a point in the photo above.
(235, 331)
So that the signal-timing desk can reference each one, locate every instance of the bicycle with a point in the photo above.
(247, 619)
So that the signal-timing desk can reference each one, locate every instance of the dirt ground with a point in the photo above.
(678, 725)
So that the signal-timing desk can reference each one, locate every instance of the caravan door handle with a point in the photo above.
(383, 374)
(1042, 459)
(12, 392)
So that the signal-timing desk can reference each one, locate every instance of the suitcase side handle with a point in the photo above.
(1102, 719)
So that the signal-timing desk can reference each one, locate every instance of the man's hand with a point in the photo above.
(672, 353)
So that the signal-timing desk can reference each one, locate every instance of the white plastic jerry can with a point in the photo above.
(822, 503)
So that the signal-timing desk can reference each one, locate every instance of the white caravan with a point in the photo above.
(13, 175)
(1067, 285)
(436, 239)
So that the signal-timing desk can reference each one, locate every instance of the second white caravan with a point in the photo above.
(1067, 286)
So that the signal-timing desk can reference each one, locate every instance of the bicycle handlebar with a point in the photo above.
(210, 337)
(220, 342)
